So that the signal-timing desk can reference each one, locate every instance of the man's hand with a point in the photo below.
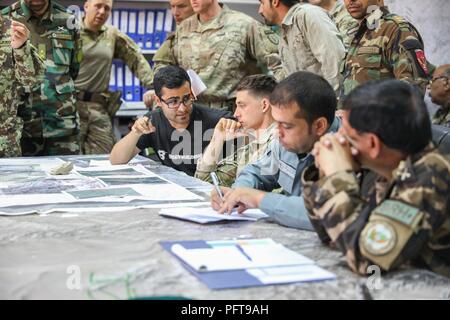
(216, 201)
(244, 198)
(227, 129)
(143, 126)
(19, 34)
(149, 98)
(333, 153)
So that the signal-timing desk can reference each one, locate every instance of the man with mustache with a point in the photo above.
(49, 113)
(386, 46)
(96, 105)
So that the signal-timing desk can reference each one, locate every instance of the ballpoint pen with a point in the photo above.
(215, 181)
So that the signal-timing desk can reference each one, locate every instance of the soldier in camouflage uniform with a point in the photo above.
(440, 95)
(345, 23)
(254, 121)
(386, 46)
(405, 217)
(20, 69)
(223, 46)
(96, 105)
(50, 118)
(181, 9)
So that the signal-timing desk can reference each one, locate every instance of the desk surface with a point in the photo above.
(118, 256)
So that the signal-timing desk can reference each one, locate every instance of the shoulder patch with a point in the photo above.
(272, 36)
(378, 238)
(398, 211)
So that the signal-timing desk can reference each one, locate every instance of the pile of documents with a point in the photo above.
(209, 215)
(245, 263)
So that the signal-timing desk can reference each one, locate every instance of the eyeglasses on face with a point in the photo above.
(437, 78)
(175, 102)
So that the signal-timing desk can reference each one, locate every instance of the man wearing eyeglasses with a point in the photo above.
(178, 131)
(440, 95)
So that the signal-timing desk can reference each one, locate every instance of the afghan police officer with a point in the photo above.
(386, 46)
(20, 69)
(180, 9)
(50, 118)
(344, 21)
(440, 95)
(101, 44)
(404, 218)
(223, 46)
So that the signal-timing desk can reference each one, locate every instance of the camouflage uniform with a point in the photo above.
(20, 69)
(386, 46)
(310, 41)
(406, 220)
(163, 56)
(223, 51)
(345, 23)
(50, 119)
(442, 116)
(96, 105)
(229, 168)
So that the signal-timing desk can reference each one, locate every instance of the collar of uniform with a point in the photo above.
(48, 15)
(88, 31)
(289, 18)
(266, 134)
(375, 15)
(217, 22)
(336, 9)
(405, 169)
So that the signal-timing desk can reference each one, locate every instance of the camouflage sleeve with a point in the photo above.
(226, 171)
(406, 56)
(29, 67)
(262, 44)
(164, 56)
(77, 55)
(128, 51)
(388, 233)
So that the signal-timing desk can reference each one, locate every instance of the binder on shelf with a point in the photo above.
(124, 21)
(116, 19)
(168, 23)
(128, 88)
(136, 89)
(149, 30)
(132, 25)
(140, 36)
(159, 28)
(119, 77)
(112, 79)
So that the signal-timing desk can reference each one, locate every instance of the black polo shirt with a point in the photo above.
(180, 149)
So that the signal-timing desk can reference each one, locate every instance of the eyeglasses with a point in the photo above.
(437, 78)
(175, 102)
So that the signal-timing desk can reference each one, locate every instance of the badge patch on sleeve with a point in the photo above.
(379, 238)
(420, 56)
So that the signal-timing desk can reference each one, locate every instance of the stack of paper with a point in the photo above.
(245, 263)
(209, 215)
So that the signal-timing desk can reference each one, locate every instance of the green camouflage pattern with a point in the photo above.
(229, 168)
(442, 116)
(20, 69)
(413, 208)
(223, 51)
(96, 132)
(389, 49)
(163, 56)
(49, 112)
(345, 23)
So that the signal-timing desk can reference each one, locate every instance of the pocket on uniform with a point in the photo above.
(369, 57)
(61, 52)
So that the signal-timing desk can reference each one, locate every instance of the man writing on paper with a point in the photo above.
(254, 121)
(178, 131)
(96, 105)
(304, 105)
(405, 217)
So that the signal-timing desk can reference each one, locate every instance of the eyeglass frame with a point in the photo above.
(191, 99)
(437, 78)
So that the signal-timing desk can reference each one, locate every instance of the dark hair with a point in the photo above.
(392, 110)
(170, 77)
(313, 95)
(290, 3)
(259, 85)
